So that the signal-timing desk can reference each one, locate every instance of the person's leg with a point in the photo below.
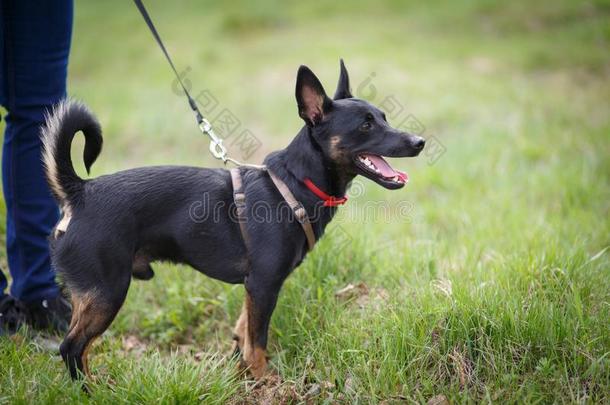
(36, 42)
(3, 281)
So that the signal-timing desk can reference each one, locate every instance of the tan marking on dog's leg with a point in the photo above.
(89, 320)
(79, 303)
(85, 358)
(255, 357)
(240, 331)
(75, 309)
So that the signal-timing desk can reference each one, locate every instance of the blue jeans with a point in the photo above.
(34, 46)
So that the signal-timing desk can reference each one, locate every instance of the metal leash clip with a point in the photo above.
(217, 149)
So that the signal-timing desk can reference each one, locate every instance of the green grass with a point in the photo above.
(494, 284)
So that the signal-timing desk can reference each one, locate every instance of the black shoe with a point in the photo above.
(12, 315)
(49, 314)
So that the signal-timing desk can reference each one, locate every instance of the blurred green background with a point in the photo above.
(493, 285)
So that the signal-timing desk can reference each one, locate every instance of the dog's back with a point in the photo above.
(131, 217)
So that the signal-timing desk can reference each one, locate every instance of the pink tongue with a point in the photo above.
(383, 166)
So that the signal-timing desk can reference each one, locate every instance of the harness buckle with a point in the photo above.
(300, 213)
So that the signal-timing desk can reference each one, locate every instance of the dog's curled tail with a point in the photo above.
(66, 119)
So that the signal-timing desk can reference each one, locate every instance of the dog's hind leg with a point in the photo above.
(92, 312)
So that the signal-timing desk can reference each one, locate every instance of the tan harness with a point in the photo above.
(297, 208)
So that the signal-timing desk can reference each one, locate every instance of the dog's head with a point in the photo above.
(351, 132)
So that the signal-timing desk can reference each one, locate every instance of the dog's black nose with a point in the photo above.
(419, 143)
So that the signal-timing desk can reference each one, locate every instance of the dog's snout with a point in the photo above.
(419, 142)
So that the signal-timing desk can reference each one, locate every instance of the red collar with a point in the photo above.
(329, 200)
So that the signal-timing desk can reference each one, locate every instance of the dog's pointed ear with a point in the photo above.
(343, 90)
(311, 98)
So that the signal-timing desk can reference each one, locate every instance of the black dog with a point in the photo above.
(115, 225)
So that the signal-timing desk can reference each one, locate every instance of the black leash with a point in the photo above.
(216, 147)
(152, 28)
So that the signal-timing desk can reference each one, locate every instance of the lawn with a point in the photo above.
(486, 279)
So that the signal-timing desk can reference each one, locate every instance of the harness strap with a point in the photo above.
(239, 197)
(299, 211)
(240, 203)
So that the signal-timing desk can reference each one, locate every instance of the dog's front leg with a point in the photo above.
(253, 325)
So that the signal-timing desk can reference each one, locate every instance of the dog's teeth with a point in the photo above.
(367, 162)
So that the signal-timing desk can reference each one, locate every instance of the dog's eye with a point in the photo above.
(366, 126)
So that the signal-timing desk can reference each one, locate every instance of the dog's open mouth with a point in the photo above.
(377, 169)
